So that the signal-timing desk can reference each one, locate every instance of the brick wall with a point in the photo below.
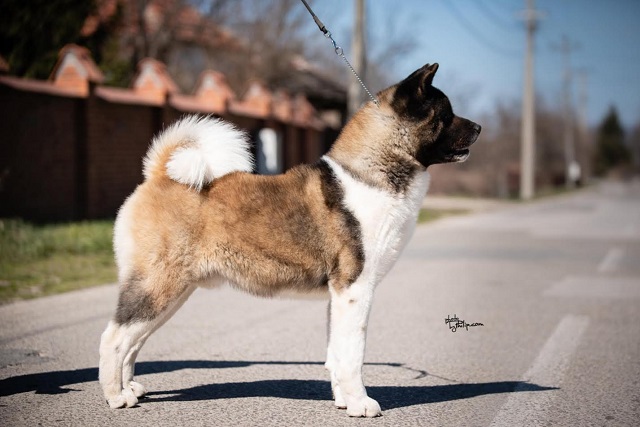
(118, 137)
(71, 150)
(38, 155)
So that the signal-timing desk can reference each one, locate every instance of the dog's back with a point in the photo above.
(200, 218)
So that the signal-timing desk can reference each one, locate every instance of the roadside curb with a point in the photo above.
(468, 204)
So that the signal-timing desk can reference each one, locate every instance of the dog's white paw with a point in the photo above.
(363, 407)
(131, 398)
(137, 388)
(338, 399)
(117, 402)
(340, 403)
(126, 399)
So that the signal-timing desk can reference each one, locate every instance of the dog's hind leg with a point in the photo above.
(349, 315)
(115, 343)
(140, 312)
(130, 360)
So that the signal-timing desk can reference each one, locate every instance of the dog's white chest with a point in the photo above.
(387, 221)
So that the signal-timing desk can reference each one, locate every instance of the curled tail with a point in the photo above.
(196, 150)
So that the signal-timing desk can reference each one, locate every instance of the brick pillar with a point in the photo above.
(153, 82)
(75, 70)
(214, 91)
(257, 100)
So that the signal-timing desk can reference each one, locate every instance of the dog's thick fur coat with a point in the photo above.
(202, 219)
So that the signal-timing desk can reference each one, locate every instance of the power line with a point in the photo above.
(475, 33)
(492, 16)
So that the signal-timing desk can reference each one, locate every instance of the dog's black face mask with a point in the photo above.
(442, 136)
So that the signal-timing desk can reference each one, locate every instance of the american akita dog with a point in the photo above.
(201, 218)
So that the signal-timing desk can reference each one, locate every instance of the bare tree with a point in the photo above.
(275, 33)
(496, 156)
(389, 44)
(152, 26)
(247, 39)
(218, 11)
(634, 146)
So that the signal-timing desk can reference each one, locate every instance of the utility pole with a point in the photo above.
(572, 171)
(528, 130)
(355, 92)
(583, 100)
(583, 97)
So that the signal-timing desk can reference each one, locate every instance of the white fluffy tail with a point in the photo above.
(196, 150)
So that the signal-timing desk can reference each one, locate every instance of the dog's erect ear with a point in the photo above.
(421, 79)
(427, 73)
(412, 92)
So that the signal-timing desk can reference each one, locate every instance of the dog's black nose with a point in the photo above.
(477, 127)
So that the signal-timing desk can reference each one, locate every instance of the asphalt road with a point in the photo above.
(555, 284)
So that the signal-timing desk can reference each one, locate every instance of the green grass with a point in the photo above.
(38, 260)
(428, 215)
(42, 260)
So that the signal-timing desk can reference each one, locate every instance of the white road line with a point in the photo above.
(599, 287)
(611, 261)
(531, 408)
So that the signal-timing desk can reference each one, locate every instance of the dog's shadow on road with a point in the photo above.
(389, 397)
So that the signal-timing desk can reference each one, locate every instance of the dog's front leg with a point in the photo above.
(331, 366)
(349, 314)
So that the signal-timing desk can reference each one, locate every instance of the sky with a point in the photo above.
(480, 46)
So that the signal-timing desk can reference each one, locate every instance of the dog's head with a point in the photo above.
(436, 134)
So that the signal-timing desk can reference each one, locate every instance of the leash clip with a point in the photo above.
(337, 49)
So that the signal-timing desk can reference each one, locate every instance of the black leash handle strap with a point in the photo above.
(315, 18)
(339, 51)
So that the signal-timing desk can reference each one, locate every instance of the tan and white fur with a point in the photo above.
(201, 219)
